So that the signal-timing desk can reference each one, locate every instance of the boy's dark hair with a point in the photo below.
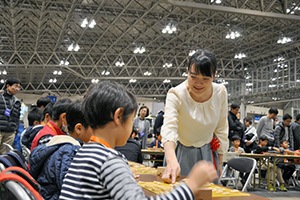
(43, 101)
(248, 119)
(74, 115)
(47, 109)
(282, 141)
(34, 115)
(205, 63)
(273, 110)
(11, 80)
(102, 102)
(234, 106)
(235, 137)
(59, 108)
(298, 117)
(263, 138)
(147, 114)
(287, 116)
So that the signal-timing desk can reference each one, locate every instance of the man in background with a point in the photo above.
(10, 107)
(265, 126)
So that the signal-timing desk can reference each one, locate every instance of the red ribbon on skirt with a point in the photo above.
(214, 145)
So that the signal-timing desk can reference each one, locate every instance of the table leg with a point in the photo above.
(268, 173)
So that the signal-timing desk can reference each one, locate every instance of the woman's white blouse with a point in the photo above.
(193, 123)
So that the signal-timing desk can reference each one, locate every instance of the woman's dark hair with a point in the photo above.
(34, 115)
(47, 109)
(74, 115)
(248, 119)
(147, 114)
(59, 108)
(205, 63)
(103, 100)
(43, 101)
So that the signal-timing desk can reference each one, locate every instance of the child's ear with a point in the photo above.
(118, 115)
(78, 128)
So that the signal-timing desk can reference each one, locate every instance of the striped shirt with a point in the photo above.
(98, 172)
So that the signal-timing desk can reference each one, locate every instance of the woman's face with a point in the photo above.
(143, 113)
(198, 84)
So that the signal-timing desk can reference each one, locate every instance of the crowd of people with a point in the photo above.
(80, 149)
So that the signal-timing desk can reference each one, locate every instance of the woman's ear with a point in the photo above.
(118, 116)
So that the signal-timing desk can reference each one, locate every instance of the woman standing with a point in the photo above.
(142, 125)
(195, 112)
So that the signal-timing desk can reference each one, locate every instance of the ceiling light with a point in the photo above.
(71, 47)
(184, 74)
(62, 62)
(192, 52)
(95, 80)
(84, 23)
(217, 1)
(119, 63)
(279, 59)
(59, 73)
(284, 40)
(233, 35)
(167, 65)
(249, 84)
(55, 72)
(166, 81)
(170, 28)
(4, 72)
(77, 47)
(2, 81)
(132, 80)
(104, 72)
(92, 24)
(147, 73)
(240, 55)
(139, 50)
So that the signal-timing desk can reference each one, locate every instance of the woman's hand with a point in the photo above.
(171, 172)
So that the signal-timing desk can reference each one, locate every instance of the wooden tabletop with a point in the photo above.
(150, 177)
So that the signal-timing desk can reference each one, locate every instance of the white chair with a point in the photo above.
(242, 165)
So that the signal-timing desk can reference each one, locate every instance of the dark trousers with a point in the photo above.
(288, 171)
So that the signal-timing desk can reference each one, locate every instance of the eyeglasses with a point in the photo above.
(16, 86)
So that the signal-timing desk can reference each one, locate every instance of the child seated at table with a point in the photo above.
(261, 149)
(132, 149)
(157, 144)
(98, 171)
(236, 140)
(288, 169)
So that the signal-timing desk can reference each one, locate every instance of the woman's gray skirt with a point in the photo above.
(188, 156)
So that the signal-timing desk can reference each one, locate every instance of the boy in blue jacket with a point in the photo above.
(49, 163)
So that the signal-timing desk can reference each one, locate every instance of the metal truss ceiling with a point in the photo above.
(35, 35)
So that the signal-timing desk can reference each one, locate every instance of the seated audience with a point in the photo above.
(132, 149)
(98, 171)
(50, 163)
(288, 169)
(56, 126)
(42, 102)
(262, 148)
(47, 113)
(157, 144)
(34, 119)
(236, 145)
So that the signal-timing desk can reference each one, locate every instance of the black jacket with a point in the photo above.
(132, 151)
(235, 126)
(29, 135)
(9, 124)
(279, 134)
(295, 131)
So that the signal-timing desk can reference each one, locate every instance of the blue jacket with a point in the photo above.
(50, 163)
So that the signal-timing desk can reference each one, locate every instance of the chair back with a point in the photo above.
(242, 164)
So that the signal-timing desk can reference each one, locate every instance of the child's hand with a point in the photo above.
(276, 149)
(201, 173)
